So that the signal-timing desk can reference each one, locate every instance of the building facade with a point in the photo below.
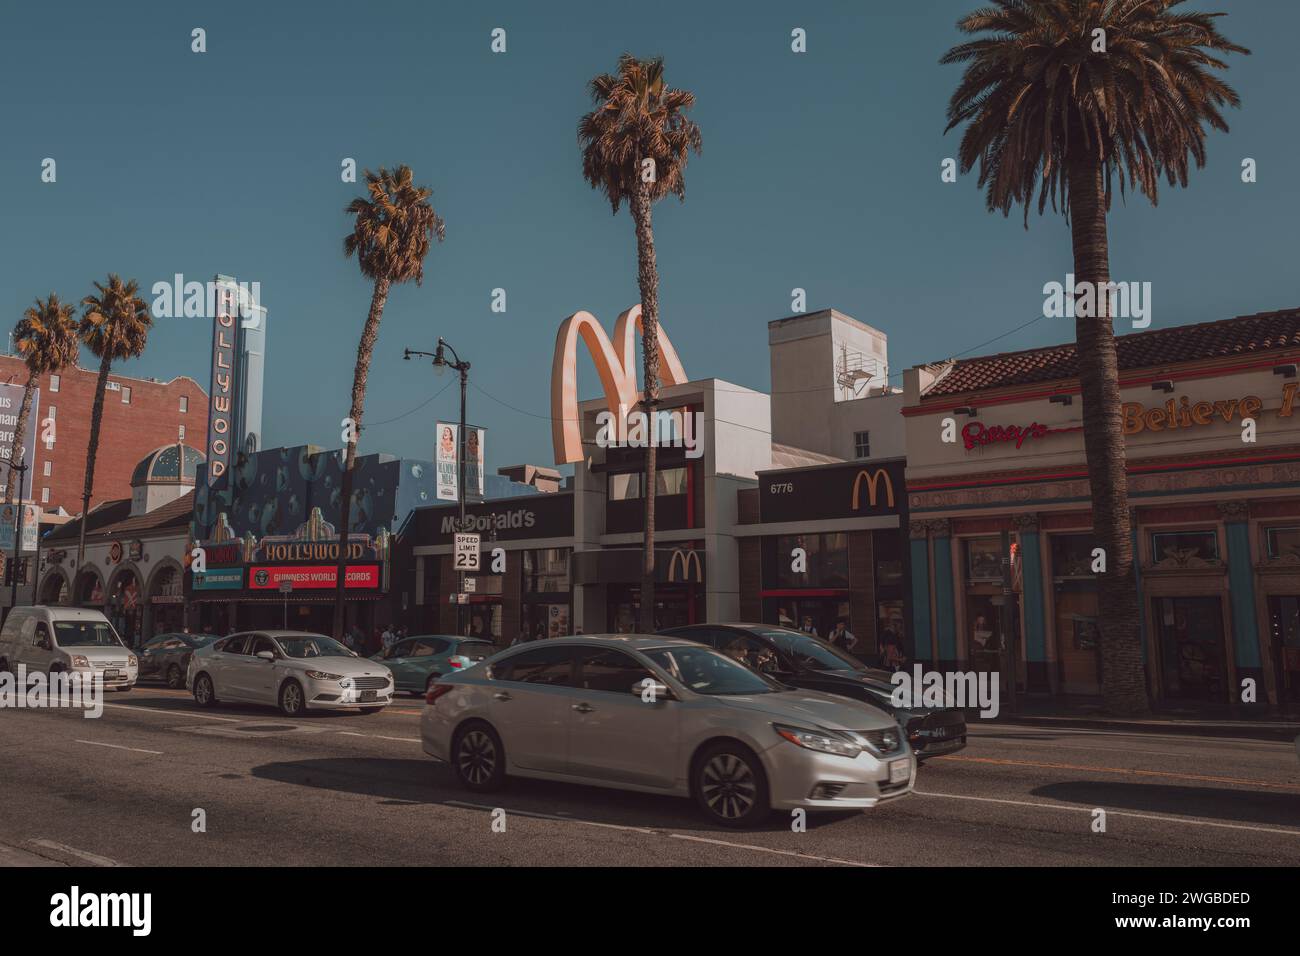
(139, 415)
(1002, 552)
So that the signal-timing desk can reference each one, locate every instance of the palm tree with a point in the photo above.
(390, 238)
(637, 118)
(114, 326)
(1056, 105)
(46, 338)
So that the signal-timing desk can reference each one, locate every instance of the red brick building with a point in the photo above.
(140, 415)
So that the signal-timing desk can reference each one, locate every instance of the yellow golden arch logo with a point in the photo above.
(873, 479)
(686, 557)
(617, 371)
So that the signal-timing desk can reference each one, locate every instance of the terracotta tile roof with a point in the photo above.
(1244, 335)
(113, 519)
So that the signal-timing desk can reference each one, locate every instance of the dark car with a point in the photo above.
(804, 661)
(168, 655)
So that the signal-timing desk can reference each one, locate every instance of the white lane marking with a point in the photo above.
(766, 849)
(1114, 813)
(137, 750)
(183, 713)
(550, 816)
(353, 733)
(93, 859)
(652, 832)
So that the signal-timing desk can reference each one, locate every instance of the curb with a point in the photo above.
(1285, 733)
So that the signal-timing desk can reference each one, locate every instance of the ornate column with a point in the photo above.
(1031, 577)
(1241, 593)
(945, 617)
(922, 642)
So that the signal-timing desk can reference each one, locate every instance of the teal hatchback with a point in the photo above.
(416, 662)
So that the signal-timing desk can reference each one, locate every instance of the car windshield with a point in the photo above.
(705, 671)
(85, 634)
(474, 650)
(811, 652)
(313, 646)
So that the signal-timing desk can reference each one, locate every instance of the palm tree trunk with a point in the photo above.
(365, 349)
(20, 433)
(648, 280)
(96, 418)
(1123, 678)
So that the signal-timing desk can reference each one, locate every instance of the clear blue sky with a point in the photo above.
(819, 170)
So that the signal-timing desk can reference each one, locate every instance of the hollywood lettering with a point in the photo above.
(358, 547)
(220, 411)
(977, 434)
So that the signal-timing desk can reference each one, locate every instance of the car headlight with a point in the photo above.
(822, 741)
(321, 675)
(79, 661)
(889, 741)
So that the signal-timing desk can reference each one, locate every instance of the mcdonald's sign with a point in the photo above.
(686, 558)
(849, 490)
(615, 365)
(873, 481)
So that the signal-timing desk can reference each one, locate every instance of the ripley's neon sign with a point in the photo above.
(977, 434)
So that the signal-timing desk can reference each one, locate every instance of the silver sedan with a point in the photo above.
(293, 670)
(660, 715)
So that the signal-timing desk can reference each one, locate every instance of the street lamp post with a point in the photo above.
(440, 361)
(21, 468)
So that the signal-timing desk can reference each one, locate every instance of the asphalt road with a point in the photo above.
(344, 788)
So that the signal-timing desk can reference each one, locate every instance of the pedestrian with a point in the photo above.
(388, 637)
(891, 651)
(842, 637)
(808, 627)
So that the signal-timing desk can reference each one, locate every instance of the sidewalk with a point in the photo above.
(1044, 713)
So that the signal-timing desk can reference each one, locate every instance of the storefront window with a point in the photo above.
(546, 570)
(1192, 648)
(984, 559)
(1181, 545)
(1072, 556)
(1283, 542)
(626, 487)
(1284, 615)
(823, 564)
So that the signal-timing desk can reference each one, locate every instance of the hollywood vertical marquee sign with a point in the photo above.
(221, 396)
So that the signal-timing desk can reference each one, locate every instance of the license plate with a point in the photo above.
(368, 695)
(943, 746)
(110, 674)
(899, 770)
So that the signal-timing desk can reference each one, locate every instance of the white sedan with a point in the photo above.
(293, 670)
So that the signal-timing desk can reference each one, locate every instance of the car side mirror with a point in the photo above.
(654, 691)
(266, 655)
(43, 643)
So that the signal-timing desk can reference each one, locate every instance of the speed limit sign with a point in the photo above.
(466, 553)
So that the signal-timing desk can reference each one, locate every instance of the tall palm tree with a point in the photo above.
(392, 233)
(637, 117)
(115, 326)
(46, 338)
(1052, 110)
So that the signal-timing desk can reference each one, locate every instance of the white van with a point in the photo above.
(80, 639)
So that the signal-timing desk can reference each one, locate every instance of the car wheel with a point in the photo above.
(730, 786)
(292, 701)
(204, 694)
(371, 710)
(175, 678)
(478, 758)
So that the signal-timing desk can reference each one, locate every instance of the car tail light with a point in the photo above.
(436, 691)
